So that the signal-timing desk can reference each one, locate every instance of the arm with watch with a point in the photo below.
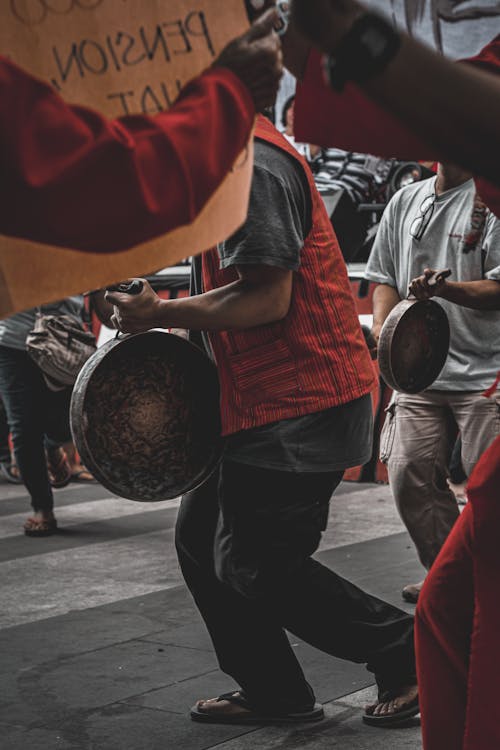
(389, 93)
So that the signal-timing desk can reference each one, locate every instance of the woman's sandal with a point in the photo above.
(59, 469)
(251, 716)
(40, 526)
(10, 473)
(83, 476)
(397, 717)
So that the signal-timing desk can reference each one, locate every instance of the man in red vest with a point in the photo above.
(278, 317)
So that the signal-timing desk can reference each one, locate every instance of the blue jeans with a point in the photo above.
(35, 415)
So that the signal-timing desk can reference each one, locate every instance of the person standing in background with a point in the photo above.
(38, 417)
(436, 224)
(8, 469)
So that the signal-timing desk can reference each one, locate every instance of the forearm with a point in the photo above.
(71, 177)
(476, 295)
(237, 306)
(435, 110)
(352, 120)
(385, 298)
(420, 106)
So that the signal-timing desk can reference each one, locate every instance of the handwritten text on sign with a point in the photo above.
(120, 57)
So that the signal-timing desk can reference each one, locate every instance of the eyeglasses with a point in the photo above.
(421, 222)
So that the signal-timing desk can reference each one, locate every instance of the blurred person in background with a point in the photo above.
(436, 224)
(8, 468)
(308, 151)
(38, 417)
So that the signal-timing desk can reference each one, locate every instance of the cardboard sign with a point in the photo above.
(120, 57)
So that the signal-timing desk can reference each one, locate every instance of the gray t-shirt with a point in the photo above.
(14, 330)
(397, 258)
(279, 219)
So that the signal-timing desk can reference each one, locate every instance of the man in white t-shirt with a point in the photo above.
(432, 225)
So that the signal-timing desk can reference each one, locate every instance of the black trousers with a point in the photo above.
(245, 540)
(4, 435)
(36, 416)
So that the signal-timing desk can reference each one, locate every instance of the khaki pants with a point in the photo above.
(416, 443)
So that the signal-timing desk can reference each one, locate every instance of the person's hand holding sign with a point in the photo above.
(256, 58)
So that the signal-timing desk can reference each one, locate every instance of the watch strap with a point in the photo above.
(367, 48)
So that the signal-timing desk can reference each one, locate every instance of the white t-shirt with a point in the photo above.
(397, 258)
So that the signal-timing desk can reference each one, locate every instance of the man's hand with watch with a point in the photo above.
(358, 44)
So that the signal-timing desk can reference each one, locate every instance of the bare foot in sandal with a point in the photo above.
(222, 707)
(393, 707)
(10, 472)
(58, 467)
(41, 523)
(233, 708)
(82, 475)
(79, 473)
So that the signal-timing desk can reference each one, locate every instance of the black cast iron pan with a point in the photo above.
(414, 343)
(145, 416)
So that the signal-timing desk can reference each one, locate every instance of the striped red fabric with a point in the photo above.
(313, 359)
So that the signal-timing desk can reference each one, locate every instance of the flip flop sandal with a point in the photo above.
(398, 717)
(36, 527)
(7, 472)
(80, 478)
(59, 472)
(253, 717)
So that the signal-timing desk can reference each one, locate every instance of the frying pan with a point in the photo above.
(145, 416)
(414, 343)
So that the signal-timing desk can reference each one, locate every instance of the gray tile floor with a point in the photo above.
(102, 648)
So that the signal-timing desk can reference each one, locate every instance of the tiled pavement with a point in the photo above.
(102, 648)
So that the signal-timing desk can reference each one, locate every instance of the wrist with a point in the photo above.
(443, 290)
(336, 31)
(364, 51)
(160, 317)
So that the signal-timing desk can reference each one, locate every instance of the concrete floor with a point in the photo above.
(101, 646)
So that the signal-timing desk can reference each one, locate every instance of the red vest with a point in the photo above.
(313, 359)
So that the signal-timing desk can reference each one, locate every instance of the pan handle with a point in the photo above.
(134, 287)
(435, 279)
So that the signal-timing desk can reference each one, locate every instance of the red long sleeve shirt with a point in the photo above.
(352, 121)
(73, 178)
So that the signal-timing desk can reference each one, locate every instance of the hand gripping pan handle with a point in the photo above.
(435, 279)
(439, 276)
(133, 287)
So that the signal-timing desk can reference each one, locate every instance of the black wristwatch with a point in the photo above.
(369, 45)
